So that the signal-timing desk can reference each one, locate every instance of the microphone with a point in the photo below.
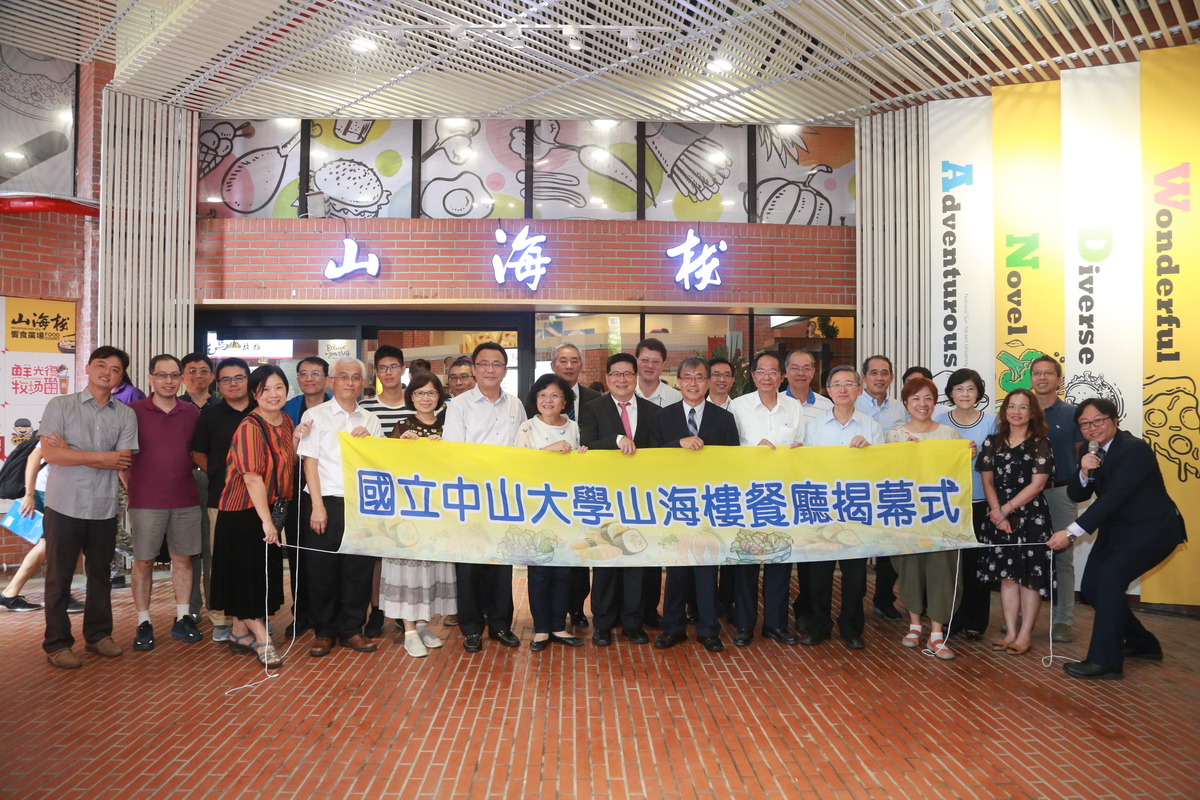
(1093, 450)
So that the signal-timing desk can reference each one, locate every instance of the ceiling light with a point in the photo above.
(946, 19)
(787, 129)
(991, 7)
(574, 39)
(66, 115)
(398, 38)
(14, 154)
(719, 65)
(575, 43)
(363, 45)
(605, 124)
(516, 36)
(213, 199)
(632, 40)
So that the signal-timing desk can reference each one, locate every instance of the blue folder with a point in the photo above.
(28, 529)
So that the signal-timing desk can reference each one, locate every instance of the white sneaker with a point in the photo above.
(429, 638)
(415, 647)
(221, 633)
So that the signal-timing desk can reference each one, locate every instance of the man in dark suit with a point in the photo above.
(567, 362)
(620, 421)
(1140, 527)
(692, 423)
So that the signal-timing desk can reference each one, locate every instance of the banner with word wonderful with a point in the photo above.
(445, 501)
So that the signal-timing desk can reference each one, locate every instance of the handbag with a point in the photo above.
(279, 508)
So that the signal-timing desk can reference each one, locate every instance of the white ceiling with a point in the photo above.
(740, 61)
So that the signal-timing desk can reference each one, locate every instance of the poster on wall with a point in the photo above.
(806, 175)
(37, 113)
(37, 363)
(362, 166)
(248, 168)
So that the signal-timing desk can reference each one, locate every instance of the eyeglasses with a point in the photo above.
(766, 373)
(356, 378)
(389, 367)
(716, 375)
(230, 380)
(654, 361)
(204, 371)
(316, 373)
(459, 378)
(490, 365)
(802, 370)
(167, 376)
(552, 396)
(426, 393)
(620, 374)
(1092, 423)
(842, 385)
(692, 379)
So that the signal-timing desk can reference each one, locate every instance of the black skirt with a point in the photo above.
(247, 573)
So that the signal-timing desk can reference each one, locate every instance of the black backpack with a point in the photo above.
(12, 473)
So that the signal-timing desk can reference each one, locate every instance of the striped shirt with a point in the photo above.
(388, 415)
(250, 453)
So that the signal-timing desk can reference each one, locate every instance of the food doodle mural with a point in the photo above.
(37, 111)
(362, 166)
(249, 168)
(468, 170)
(583, 170)
(704, 171)
(806, 175)
(37, 362)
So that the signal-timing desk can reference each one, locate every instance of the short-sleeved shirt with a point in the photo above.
(472, 417)
(1065, 438)
(663, 396)
(814, 406)
(388, 415)
(828, 432)
(250, 453)
(81, 491)
(323, 444)
(889, 414)
(782, 425)
(984, 427)
(161, 473)
(213, 435)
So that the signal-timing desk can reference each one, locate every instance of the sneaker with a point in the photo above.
(18, 603)
(374, 626)
(74, 607)
(222, 633)
(415, 647)
(185, 629)
(145, 637)
(1060, 632)
(429, 638)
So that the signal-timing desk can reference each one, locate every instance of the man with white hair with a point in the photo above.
(337, 587)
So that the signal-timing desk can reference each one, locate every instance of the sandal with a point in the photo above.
(939, 647)
(1000, 644)
(913, 637)
(267, 655)
(241, 644)
(1016, 650)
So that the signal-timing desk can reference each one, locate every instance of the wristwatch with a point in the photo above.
(1071, 537)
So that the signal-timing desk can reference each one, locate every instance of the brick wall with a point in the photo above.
(798, 267)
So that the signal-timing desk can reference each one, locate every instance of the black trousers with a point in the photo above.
(802, 605)
(549, 590)
(698, 583)
(854, 588)
(339, 586)
(726, 582)
(652, 582)
(295, 558)
(617, 594)
(976, 609)
(775, 579)
(581, 587)
(885, 581)
(480, 587)
(67, 537)
(1105, 580)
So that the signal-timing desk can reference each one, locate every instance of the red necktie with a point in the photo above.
(625, 420)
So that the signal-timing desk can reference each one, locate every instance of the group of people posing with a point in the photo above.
(211, 479)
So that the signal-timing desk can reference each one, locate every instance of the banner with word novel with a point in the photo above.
(445, 501)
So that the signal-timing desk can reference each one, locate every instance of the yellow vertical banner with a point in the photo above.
(1027, 164)
(1170, 92)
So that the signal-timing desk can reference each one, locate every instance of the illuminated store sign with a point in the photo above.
(350, 262)
(525, 260)
(697, 271)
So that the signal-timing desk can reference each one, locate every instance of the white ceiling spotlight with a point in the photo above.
(632, 40)
(574, 38)
(722, 64)
(516, 36)
(362, 45)
(945, 15)
(398, 37)
(991, 7)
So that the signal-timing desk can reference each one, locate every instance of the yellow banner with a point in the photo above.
(1027, 164)
(445, 501)
(1170, 91)
(39, 326)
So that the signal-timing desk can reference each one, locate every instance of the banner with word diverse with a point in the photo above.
(1090, 183)
(446, 501)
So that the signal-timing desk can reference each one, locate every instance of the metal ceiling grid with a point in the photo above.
(740, 61)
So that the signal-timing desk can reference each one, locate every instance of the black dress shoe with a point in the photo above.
(666, 640)
(888, 612)
(855, 642)
(783, 636)
(506, 638)
(1148, 655)
(579, 620)
(713, 644)
(1086, 669)
(538, 645)
(473, 643)
(811, 639)
(743, 637)
(602, 638)
(569, 641)
(801, 624)
(374, 627)
(652, 621)
(637, 636)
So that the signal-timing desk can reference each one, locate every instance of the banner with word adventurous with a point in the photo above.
(446, 501)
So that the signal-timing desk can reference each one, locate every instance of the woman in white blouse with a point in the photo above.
(927, 580)
(549, 587)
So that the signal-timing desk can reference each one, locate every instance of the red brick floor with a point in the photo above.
(625, 721)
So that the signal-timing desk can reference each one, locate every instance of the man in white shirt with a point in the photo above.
(843, 426)
(889, 413)
(720, 382)
(768, 419)
(651, 355)
(338, 586)
(485, 415)
(567, 362)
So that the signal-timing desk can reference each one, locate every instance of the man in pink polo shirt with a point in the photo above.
(163, 502)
